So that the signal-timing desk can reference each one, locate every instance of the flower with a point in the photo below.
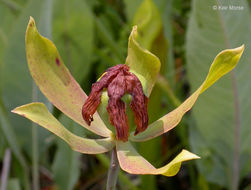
(119, 80)
(61, 89)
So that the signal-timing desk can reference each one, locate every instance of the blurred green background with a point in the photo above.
(91, 35)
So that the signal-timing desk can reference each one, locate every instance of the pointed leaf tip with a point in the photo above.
(31, 21)
(223, 63)
(55, 81)
(132, 162)
(31, 25)
(142, 63)
(38, 113)
(134, 31)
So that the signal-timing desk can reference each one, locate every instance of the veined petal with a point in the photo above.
(142, 63)
(131, 162)
(38, 113)
(55, 81)
(223, 63)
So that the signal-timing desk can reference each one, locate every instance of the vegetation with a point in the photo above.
(92, 36)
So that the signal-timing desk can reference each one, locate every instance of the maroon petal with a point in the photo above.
(118, 81)
(139, 102)
(139, 108)
(91, 104)
(116, 107)
(117, 115)
(94, 99)
(119, 67)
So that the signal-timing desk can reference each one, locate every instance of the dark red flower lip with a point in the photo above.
(118, 81)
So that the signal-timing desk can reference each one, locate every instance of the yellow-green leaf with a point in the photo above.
(142, 63)
(223, 63)
(131, 162)
(55, 81)
(38, 113)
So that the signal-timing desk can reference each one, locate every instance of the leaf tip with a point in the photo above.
(14, 110)
(30, 30)
(240, 49)
(21, 110)
(236, 51)
(189, 155)
(17, 111)
(134, 28)
(31, 22)
(134, 32)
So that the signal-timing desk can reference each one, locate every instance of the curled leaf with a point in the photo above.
(131, 162)
(55, 81)
(38, 113)
(223, 63)
(142, 63)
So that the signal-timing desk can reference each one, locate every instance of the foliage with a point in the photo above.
(228, 113)
(94, 34)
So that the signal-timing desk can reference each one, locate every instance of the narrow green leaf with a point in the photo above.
(224, 62)
(38, 113)
(55, 81)
(132, 162)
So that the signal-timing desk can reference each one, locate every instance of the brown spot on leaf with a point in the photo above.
(23, 115)
(57, 62)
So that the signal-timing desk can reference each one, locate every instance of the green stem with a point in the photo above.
(35, 170)
(124, 179)
(113, 171)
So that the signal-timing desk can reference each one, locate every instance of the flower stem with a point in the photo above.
(113, 171)
(35, 157)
